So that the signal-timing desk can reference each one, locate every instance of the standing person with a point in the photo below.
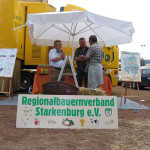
(81, 64)
(94, 57)
(56, 60)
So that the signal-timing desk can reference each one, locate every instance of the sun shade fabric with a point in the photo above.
(45, 28)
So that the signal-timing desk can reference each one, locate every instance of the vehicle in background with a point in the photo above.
(119, 80)
(119, 74)
(14, 14)
(145, 78)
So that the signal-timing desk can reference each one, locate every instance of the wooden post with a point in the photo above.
(10, 91)
(3, 84)
(125, 96)
(125, 92)
(138, 93)
(121, 93)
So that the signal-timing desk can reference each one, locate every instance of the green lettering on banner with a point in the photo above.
(51, 102)
(80, 102)
(90, 102)
(102, 102)
(58, 101)
(63, 112)
(76, 102)
(50, 112)
(78, 111)
(112, 102)
(82, 113)
(63, 102)
(97, 102)
(85, 102)
(24, 100)
(34, 102)
(45, 101)
(68, 112)
(53, 111)
(96, 110)
(29, 101)
(67, 102)
(75, 112)
(54, 101)
(94, 102)
(58, 112)
(106, 102)
(45, 112)
(41, 101)
(37, 100)
(73, 102)
(41, 111)
(89, 112)
(37, 110)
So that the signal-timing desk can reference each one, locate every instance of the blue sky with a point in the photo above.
(135, 11)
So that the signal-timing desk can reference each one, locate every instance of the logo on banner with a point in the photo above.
(95, 122)
(108, 112)
(67, 122)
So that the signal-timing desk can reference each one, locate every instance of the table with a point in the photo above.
(107, 86)
(39, 80)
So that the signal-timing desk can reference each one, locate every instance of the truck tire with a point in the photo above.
(26, 81)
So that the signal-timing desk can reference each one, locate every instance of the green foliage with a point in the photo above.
(143, 63)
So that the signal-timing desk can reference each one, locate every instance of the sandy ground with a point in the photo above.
(133, 132)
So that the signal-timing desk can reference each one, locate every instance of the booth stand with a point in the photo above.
(130, 72)
(7, 61)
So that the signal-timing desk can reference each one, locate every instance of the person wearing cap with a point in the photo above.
(81, 64)
(94, 58)
(56, 60)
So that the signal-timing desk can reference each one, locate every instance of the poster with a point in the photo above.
(67, 112)
(130, 67)
(7, 62)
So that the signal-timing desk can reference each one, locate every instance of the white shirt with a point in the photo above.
(53, 53)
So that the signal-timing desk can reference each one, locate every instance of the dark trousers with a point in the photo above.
(54, 74)
(81, 74)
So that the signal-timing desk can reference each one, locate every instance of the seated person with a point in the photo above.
(56, 60)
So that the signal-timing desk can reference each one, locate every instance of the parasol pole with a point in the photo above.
(73, 47)
(19, 27)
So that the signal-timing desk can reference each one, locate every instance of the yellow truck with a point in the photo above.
(13, 14)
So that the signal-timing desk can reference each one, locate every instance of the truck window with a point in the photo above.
(107, 57)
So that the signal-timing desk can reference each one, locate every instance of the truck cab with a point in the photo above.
(13, 15)
(30, 56)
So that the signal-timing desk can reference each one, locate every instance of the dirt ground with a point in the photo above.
(133, 132)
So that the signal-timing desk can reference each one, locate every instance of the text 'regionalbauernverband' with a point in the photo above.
(63, 111)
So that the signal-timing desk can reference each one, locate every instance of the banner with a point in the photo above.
(7, 62)
(67, 112)
(130, 67)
